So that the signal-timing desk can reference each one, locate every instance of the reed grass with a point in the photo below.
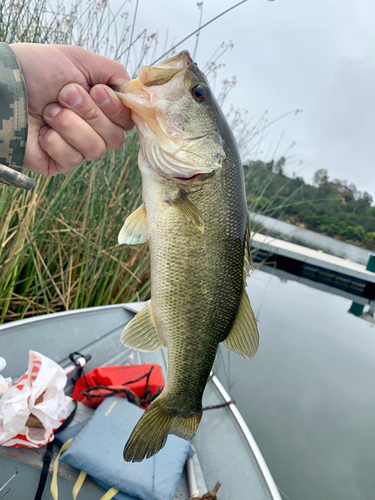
(58, 243)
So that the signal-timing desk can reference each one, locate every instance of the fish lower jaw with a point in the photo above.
(194, 176)
(200, 176)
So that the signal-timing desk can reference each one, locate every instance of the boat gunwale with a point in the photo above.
(128, 307)
(134, 308)
(249, 438)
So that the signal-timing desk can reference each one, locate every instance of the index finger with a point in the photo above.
(111, 105)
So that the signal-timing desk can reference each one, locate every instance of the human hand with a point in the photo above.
(73, 114)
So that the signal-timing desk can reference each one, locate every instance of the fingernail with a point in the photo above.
(100, 96)
(52, 110)
(42, 131)
(71, 96)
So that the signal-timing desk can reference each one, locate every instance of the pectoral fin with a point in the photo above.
(141, 333)
(188, 210)
(134, 231)
(244, 338)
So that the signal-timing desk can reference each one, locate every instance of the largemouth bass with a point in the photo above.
(194, 214)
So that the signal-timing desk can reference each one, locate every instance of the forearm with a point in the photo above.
(13, 120)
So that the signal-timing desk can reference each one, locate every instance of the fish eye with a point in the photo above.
(200, 93)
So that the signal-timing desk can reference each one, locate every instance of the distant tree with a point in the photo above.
(269, 166)
(360, 233)
(370, 240)
(320, 177)
(362, 202)
(335, 207)
(279, 167)
(355, 233)
(348, 191)
(337, 185)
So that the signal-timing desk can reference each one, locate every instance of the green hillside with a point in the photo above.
(333, 207)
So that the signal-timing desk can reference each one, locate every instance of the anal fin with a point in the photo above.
(134, 231)
(244, 337)
(141, 333)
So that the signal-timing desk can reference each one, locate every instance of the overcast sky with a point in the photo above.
(314, 55)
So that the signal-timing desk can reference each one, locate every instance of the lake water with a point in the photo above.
(308, 395)
(311, 239)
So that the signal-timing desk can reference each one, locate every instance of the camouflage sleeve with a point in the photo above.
(13, 120)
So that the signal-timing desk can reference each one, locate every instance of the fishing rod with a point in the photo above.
(197, 30)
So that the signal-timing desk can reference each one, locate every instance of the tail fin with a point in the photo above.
(150, 434)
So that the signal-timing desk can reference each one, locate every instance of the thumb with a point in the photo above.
(96, 68)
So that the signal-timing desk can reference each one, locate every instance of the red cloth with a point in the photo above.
(114, 377)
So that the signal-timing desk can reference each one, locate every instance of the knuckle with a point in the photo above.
(116, 140)
(75, 160)
(115, 113)
(96, 151)
(91, 114)
(49, 139)
(51, 171)
(71, 161)
(101, 149)
(60, 152)
(65, 119)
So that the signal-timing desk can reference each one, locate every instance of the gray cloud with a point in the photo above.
(345, 123)
(314, 55)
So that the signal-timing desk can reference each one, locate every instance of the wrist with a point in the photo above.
(13, 117)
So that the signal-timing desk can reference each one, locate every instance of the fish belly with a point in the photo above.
(196, 290)
(196, 286)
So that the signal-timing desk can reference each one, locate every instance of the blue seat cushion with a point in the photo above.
(98, 450)
(72, 431)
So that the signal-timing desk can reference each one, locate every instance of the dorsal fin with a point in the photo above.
(141, 333)
(244, 337)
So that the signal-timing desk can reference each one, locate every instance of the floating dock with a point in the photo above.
(340, 276)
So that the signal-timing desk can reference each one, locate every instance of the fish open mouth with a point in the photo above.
(151, 76)
(137, 93)
(188, 178)
(179, 61)
(200, 176)
(168, 144)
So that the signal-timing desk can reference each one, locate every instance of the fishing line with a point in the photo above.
(226, 365)
(197, 30)
(264, 293)
(153, 476)
(7, 491)
(132, 33)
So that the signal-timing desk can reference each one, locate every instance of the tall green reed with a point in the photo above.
(58, 243)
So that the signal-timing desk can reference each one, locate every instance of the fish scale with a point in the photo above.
(194, 215)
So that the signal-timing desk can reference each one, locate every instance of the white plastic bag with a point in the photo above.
(5, 383)
(35, 405)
